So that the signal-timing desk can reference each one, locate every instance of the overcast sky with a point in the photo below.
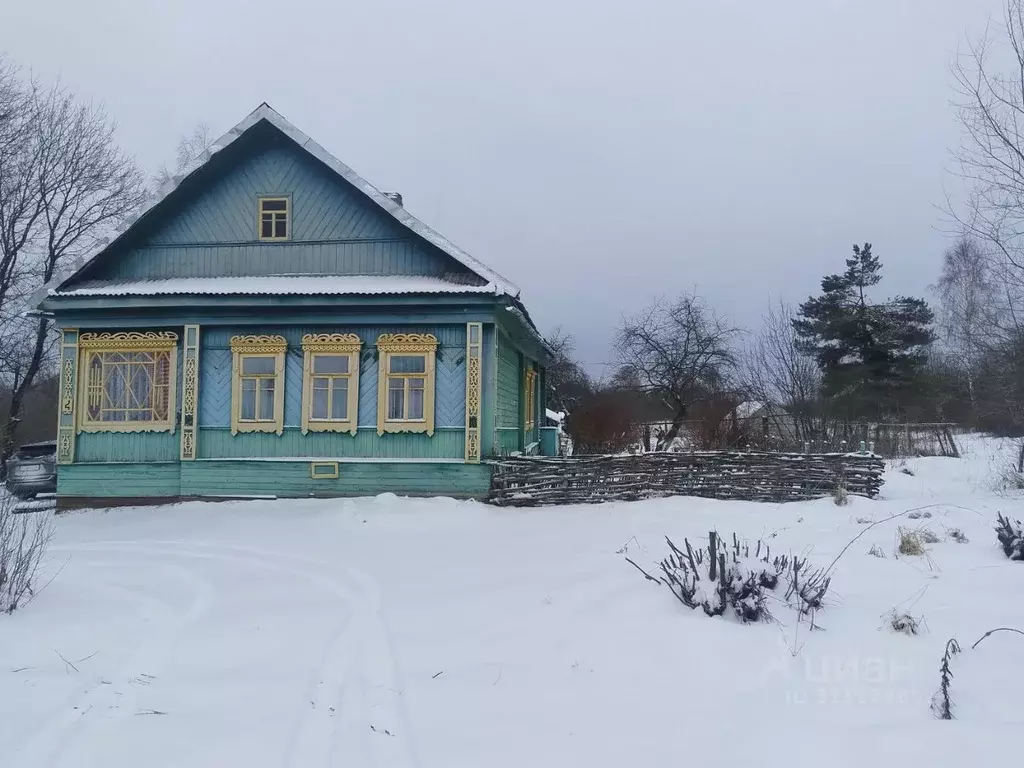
(596, 153)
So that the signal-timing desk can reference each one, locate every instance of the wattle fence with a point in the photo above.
(773, 477)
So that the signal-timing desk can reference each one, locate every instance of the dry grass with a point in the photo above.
(957, 535)
(906, 624)
(909, 542)
(876, 551)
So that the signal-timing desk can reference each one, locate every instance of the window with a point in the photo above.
(128, 381)
(529, 400)
(257, 376)
(273, 223)
(330, 392)
(406, 382)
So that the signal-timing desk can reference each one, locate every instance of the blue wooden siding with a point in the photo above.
(335, 229)
(291, 479)
(509, 384)
(113, 480)
(269, 478)
(128, 446)
(215, 372)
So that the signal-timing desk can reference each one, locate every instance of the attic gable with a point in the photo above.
(203, 224)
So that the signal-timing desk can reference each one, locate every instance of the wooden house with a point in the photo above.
(274, 325)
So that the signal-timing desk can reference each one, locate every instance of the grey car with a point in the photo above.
(33, 470)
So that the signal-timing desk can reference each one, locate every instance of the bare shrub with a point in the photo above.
(23, 542)
(919, 515)
(876, 551)
(603, 423)
(1011, 537)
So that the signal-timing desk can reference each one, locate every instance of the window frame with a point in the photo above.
(257, 346)
(530, 398)
(396, 345)
(286, 199)
(336, 345)
(121, 342)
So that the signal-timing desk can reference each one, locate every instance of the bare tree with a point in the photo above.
(779, 373)
(969, 316)
(678, 351)
(72, 187)
(990, 104)
(190, 148)
(568, 382)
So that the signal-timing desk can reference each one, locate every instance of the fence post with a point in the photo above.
(871, 446)
(862, 447)
(807, 447)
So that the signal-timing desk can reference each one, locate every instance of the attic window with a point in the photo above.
(273, 223)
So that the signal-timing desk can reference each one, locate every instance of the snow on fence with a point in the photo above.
(536, 481)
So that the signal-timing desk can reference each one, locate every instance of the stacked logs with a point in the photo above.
(773, 477)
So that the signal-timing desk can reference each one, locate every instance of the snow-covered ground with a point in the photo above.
(393, 632)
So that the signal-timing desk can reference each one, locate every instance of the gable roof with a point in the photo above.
(496, 282)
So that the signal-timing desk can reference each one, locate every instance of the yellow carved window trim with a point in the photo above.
(133, 359)
(530, 397)
(394, 374)
(274, 219)
(324, 470)
(316, 347)
(258, 380)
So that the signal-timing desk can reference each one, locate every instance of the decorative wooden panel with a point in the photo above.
(190, 393)
(66, 419)
(474, 389)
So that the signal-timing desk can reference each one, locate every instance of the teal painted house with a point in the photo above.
(274, 325)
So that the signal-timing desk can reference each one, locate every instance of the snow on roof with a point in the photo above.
(329, 285)
(265, 112)
(747, 409)
(556, 416)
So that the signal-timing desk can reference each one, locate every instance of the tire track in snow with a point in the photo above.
(357, 665)
(358, 653)
(51, 742)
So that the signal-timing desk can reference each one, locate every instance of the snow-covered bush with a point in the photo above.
(723, 577)
(905, 623)
(1011, 537)
(23, 541)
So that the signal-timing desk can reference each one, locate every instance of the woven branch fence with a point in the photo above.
(534, 481)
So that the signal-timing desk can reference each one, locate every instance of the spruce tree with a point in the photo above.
(870, 354)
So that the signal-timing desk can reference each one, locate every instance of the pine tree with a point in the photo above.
(870, 355)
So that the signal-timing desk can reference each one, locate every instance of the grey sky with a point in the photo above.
(596, 153)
